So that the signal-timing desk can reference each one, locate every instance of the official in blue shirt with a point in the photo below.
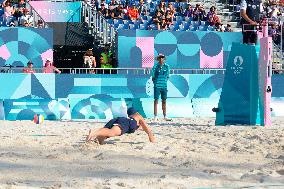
(160, 76)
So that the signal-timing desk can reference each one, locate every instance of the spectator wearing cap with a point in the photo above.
(49, 68)
(121, 125)
(160, 76)
(29, 69)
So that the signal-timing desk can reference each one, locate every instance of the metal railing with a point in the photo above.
(99, 27)
(132, 71)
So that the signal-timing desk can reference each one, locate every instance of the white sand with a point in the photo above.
(188, 153)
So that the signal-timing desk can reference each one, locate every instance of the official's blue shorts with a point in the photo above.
(160, 91)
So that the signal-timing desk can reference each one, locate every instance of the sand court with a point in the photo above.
(188, 153)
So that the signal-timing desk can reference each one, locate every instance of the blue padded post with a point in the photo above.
(238, 104)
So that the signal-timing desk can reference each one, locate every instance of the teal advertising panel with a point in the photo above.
(138, 48)
(91, 96)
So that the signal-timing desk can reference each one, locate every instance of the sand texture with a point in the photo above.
(188, 153)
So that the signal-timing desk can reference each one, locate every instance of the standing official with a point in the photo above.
(160, 76)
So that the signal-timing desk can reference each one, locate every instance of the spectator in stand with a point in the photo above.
(228, 28)
(164, 25)
(8, 12)
(133, 13)
(26, 17)
(40, 24)
(29, 69)
(104, 11)
(212, 17)
(21, 4)
(171, 8)
(8, 9)
(116, 13)
(275, 34)
(142, 8)
(162, 8)
(157, 19)
(199, 13)
(103, 2)
(188, 11)
(169, 18)
(179, 9)
(49, 68)
(219, 27)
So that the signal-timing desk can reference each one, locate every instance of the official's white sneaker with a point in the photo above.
(155, 118)
(168, 119)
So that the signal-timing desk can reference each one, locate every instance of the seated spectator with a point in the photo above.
(26, 24)
(188, 11)
(169, 17)
(21, 4)
(133, 13)
(39, 24)
(116, 13)
(179, 9)
(199, 13)
(219, 27)
(171, 8)
(18, 13)
(162, 8)
(29, 69)
(49, 68)
(157, 19)
(164, 25)
(228, 28)
(8, 9)
(212, 17)
(104, 11)
(26, 17)
(103, 2)
(89, 60)
(142, 8)
(275, 34)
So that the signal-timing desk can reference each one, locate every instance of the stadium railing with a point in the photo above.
(100, 28)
